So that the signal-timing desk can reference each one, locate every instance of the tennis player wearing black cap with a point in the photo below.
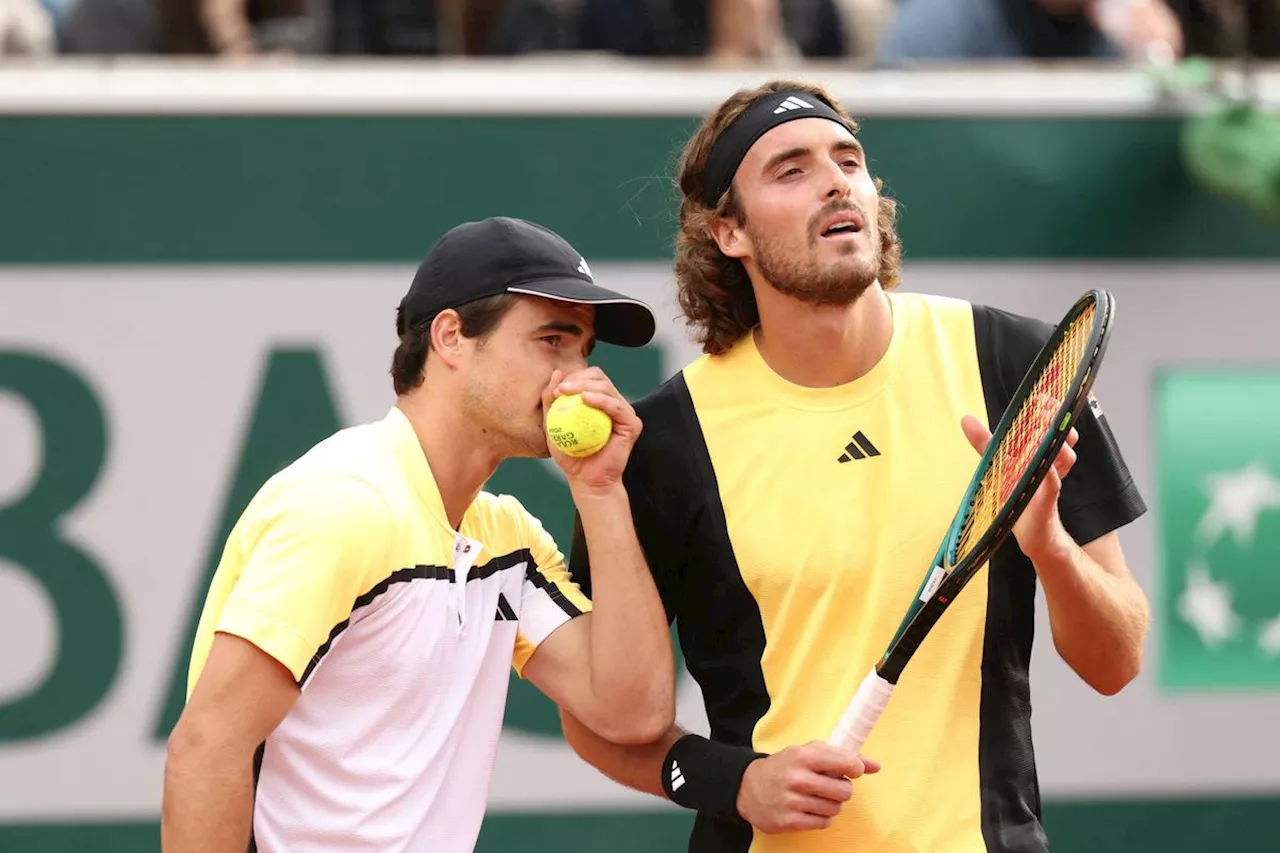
(349, 672)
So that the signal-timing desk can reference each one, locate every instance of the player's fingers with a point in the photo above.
(617, 409)
(819, 806)
(626, 423)
(822, 786)
(595, 386)
(803, 822)
(1066, 459)
(588, 378)
(976, 432)
(831, 760)
(549, 392)
(1052, 484)
(869, 765)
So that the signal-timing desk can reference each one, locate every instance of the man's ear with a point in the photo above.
(731, 237)
(446, 337)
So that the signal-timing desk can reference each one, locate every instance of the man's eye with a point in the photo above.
(554, 340)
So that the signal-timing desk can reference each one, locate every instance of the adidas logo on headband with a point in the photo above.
(734, 141)
(792, 103)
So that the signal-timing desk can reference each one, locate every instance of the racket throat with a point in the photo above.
(936, 577)
(891, 667)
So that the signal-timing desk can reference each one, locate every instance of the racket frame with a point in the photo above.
(927, 607)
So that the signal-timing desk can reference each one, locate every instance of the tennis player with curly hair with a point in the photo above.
(791, 481)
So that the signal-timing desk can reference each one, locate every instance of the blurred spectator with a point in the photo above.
(108, 28)
(721, 29)
(887, 32)
(729, 30)
(959, 30)
(865, 23)
(725, 30)
(26, 28)
(386, 27)
(228, 26)
(192, 27)
(452, 27)
(1222, 27)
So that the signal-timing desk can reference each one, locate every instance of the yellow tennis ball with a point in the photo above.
(576, 428)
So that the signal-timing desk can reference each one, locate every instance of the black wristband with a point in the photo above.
(704, 775)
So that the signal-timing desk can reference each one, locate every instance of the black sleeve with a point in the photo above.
(660, 506)
(1099, 494)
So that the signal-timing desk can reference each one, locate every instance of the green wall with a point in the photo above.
(218, 189)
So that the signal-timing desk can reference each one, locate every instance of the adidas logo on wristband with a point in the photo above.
(677, 778)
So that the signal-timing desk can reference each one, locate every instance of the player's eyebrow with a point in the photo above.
(561, 326)
(843, 145)
(851, 145)
(569, 329)
(783, 156)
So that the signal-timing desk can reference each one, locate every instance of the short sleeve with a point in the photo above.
(548, 596)
(315, 546)
(1098, 495)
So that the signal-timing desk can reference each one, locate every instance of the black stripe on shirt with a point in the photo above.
(437, 573)
(553, 592)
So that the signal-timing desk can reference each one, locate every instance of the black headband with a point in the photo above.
(761, 117)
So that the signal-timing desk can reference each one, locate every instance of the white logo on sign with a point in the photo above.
(1237, 500)
(792, 103)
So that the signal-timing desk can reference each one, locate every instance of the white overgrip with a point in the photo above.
(864, 710)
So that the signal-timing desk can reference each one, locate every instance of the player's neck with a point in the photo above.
(459, 465)
(822, 346)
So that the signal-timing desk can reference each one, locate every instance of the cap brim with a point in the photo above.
(620, 320)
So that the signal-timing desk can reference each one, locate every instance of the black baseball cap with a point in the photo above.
(500, 255)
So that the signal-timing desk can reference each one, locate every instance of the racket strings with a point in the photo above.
(1034, 421)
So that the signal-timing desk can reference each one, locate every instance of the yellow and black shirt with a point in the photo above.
(788, 527)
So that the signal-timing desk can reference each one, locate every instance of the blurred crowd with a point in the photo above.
(870, 33)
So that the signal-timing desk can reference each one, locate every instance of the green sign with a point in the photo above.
(1218, 456)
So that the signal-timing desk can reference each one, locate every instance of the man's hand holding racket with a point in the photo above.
(801, 787)
(1013, 492)
(1039, 530)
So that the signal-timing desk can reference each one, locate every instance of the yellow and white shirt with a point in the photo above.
(399, 631)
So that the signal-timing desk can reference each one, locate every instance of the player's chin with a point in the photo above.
(853, 258)
(537, 446)
(530, 445)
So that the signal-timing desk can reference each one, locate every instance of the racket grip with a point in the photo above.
(864, 710)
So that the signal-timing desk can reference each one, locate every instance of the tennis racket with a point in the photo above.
(1023, 447)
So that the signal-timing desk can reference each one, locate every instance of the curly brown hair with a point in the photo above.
(714, 291)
